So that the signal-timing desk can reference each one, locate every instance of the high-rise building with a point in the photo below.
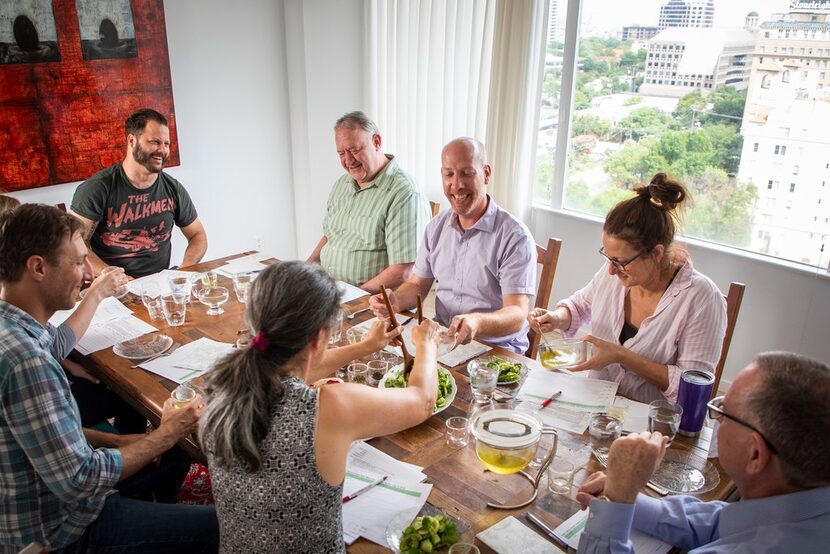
(682, 60)
(638, 32)
(786, 149)
(687, 13)
(553, 20)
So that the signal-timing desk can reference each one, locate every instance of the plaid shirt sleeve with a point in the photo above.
(43, 417)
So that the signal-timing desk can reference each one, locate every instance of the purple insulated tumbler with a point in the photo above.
(695, 390)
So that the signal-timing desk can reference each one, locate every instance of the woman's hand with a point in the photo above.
(545, 320)
(605, 354)
(378, 337)
(425, 334)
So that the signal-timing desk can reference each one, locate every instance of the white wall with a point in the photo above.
(233, 129)
(783, 308)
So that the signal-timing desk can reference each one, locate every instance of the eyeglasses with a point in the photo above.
(716, 412)
(618, 264)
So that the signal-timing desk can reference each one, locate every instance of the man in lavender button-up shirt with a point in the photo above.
(481, 258)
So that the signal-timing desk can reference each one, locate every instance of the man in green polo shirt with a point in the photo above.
(375, 214)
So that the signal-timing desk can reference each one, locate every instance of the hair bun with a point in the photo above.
(665, 192)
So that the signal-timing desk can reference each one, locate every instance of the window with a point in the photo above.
(628, 120)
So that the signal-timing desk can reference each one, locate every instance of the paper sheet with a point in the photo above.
(189, 361)
(363, 457)
(108, 310)
(571, 529)
(511, 535)
(245, 264)
(578, 393)
(349, 292)
(161, 278)
(369, 514)
(104, 335)
(636, 419)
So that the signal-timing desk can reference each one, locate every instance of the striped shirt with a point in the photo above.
(52, 483)
(685, 331)
(372, 228)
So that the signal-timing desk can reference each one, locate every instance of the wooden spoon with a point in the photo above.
(408, 360)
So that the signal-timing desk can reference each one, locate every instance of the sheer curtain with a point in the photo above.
(439, 69)
(429, 78)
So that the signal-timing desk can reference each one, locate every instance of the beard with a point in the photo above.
(145, 159)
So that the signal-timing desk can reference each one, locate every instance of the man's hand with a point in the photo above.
(181, 422)
(463, 328)
(77, 370)
(378, 306)
(591, 488)
(109, 282)
(631, 462)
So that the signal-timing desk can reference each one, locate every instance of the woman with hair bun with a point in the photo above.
(276, 447)
(652, 315)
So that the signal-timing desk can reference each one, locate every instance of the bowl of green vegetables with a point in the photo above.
(430, 531)
(394, 379)
(510, 372)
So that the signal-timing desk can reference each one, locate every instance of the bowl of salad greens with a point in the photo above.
(430, 531)
(447, 388)
(510, 372)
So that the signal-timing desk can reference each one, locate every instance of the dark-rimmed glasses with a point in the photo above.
(619, 265)
(716, 412)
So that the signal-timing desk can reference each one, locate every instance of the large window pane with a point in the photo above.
(549, 113)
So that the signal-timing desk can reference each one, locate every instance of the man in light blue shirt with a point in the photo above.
(773, 443)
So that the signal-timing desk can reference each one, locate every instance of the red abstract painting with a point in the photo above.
(69, 77)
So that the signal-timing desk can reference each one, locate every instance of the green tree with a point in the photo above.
(543, 180)
(726, 101)
(644, 122)
(587, 124)
(687, 104)
(721, 207)
(726, 144)
(685, 152)
(632, 164)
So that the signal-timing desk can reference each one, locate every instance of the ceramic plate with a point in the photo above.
(395, 371)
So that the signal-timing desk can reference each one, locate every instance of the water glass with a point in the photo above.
(175, 308)
(180, 285)
(242, 286)
(664, 417)
(603, 430)
(619, 408)
(561, 476)
(356, 334)
(358, 373)
(336, 329)
(464, 548)
(209, 278)
(482, 380)
(182, 395)
(377, 369)
(458, 431)
(151, 298)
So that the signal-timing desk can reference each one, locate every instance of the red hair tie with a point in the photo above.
(259, 342)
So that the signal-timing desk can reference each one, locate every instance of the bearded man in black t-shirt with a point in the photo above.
(129, 209)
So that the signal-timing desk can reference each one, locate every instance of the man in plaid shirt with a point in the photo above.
(56, 479)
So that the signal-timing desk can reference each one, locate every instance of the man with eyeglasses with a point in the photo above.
(375, 214)
(773, 443)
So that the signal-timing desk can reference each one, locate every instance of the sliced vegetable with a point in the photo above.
(509, 372)
(428, 534)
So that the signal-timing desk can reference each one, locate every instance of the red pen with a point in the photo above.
(547, 402)
(358, 492)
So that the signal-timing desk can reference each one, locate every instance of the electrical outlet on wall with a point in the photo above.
(258, 243)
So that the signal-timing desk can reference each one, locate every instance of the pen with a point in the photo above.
(358, 492)
(547, 402)
(547, 530)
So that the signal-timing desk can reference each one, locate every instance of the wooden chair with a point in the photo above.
(733, 306)
(435, 207)
(547, 258)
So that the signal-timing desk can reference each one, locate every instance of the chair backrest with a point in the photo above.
(733, 306)
(435, 207)
(547, 258)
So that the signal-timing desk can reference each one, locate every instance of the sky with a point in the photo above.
(613, 14)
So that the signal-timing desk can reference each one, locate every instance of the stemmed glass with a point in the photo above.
(213, 297)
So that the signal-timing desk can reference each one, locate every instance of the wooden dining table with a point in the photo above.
(461, 486)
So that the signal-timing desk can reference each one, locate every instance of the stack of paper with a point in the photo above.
(162, 279)
(570, 531)
(245, 264)
(111, 324)
(401, 495)
(349, 292)
(636, 418)
(511, 535)
(580, 396)
(189, 361)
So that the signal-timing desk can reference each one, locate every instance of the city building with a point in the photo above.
(688, 13)
(638, 32)
(681, 60)
(553, 15)
(786, 149)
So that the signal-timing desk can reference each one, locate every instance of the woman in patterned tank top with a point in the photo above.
(276, 447)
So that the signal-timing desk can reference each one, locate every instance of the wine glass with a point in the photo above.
(213, 297)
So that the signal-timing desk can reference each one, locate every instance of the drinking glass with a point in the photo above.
(356, 334)
(213, 297)
(377, 369)
(180, 285)
(174, 307)
(482, 380)
(209, 278)
(458, 429)
(336, 329)
(619, 408)
(358, 373)
(561, 476)
(603, 430)
(242, 286)
(182, 395)
(151, 298)
(464, 548)
(663, 416)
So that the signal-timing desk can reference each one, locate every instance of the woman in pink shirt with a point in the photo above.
(652, 315)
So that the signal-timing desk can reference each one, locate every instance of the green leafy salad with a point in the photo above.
(509, 372)
(445, 385)
(428, 534)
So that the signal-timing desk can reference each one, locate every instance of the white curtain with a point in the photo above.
(429, 78)
(515, 96)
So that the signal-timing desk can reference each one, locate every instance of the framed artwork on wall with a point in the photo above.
(71, 71)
